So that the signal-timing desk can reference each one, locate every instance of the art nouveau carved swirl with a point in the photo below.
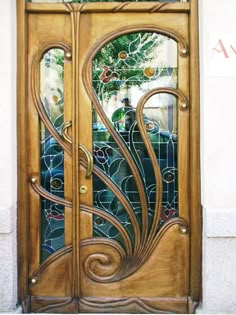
(35, 77)
(105, 260)
(45, 194)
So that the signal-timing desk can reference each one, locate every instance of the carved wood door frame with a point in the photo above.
(69, 280)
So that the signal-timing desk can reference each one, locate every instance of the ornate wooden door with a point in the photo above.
(108, 170)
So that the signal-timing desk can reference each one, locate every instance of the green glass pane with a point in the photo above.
(123, 71)
(52, 86)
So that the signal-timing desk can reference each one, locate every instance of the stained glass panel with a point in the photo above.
(51, 153)
(52, 179)
(123, 71)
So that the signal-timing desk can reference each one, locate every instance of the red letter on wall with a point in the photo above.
(221, 48)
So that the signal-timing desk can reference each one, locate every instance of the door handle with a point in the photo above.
(64, 131)
(89, 160)
(88, 155)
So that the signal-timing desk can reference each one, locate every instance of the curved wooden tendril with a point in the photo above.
(122, 231)
(45, 194)
(122, 199)
(151, 152)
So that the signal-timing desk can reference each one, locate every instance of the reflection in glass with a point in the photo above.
(52, 86)
(123, 71)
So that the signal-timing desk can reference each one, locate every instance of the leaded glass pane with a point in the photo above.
(51, 153)
(123, 71)
(52, 179)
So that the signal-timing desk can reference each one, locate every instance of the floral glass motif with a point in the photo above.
(123, 71)
(51, 153)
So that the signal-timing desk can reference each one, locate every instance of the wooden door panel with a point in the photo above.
(144, 266)
(50, 277)
(105, 269)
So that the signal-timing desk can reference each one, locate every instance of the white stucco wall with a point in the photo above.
(218, 152)
(8, 267)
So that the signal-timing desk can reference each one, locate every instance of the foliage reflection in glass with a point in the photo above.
(52, 86)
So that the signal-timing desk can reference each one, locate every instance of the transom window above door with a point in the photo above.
(81, 1)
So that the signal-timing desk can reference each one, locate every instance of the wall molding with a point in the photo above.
(220, 222)
(8, 215)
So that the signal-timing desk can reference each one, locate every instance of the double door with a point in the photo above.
(108, 164)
